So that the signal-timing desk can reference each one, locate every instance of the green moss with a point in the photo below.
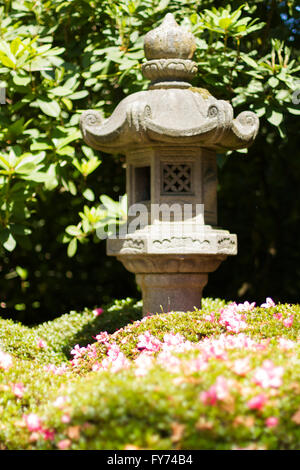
(202, 91)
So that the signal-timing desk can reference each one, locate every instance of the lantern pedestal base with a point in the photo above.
(172, 270)
(171, 292)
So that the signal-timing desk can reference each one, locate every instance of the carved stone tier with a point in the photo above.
(169, 69)
(172, 270)
(209, 242)
(182, 117)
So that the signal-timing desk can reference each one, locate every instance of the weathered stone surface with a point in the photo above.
(170, 134)
(156, 240)
(169, 41)
(167, 292)
(166, 116)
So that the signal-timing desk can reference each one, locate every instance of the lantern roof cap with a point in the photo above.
(171, 111)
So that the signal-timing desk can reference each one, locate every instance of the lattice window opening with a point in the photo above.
(176, 178)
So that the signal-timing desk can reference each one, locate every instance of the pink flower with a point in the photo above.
(121, 362)
(288, 321)
(233, 320)
(48, 434)
(57, 370)
(268, 375)
(41, 343)
(169, 362)
(34, 436)
(18, 389)
(221, 387)
(196, 365)
(211, 347)
(148, 342)
(271, 422)
(218, 391)
(263, 344)
(143, 362)
(209, 397)
(114, 361)
(269, 303)
(64, 444)
(5, 360)
(245, 307)
(77, 351)
(96, 367)
(66, 418)
(173, 340)
(113, 351)
(241, 366)
(32, 422)
(240, 341)
(92, 351)
(285, 344)
(211, 317)
(60, 401)
(102, 337)
(98, 311)
(257, 402)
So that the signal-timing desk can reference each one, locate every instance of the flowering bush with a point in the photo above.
(223, 377)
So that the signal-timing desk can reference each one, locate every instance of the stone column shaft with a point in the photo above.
(167, 292)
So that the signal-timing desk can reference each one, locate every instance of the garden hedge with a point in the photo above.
(224, 377)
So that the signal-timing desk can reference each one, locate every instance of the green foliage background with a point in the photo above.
(58, 58)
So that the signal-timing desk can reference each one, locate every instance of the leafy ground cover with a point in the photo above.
(223, 377)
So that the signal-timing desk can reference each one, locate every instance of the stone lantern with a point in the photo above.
(170, 134)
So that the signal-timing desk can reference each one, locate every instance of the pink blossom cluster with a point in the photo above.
(219, 391)
(287, 322)
(268, 303)
(176, 342)
(216, 347)
(257, 402)
(41, 343)
(163, 352)
(60, 401)
(57, 370)
(268, 375)
(98, 311)
(148, 342)
(198, 364)
(102, 337)
(232, 319)
(286, 344)
(241, 366)
(169, 362)
(143, 363)
(114, 361)
(79, 353)
(6, 360)
(34, 425)
(18, 389)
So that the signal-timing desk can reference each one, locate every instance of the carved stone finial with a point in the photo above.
(169, 49)
(169, 41)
